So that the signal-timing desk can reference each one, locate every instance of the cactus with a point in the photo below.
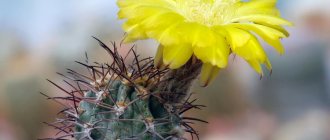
(125, 100)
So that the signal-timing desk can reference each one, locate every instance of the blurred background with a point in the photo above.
(39, 38)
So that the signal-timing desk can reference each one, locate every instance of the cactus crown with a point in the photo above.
(126, 100)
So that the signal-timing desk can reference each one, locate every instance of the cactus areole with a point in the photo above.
(126, 101)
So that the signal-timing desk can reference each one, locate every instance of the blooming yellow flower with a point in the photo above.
(208, 29)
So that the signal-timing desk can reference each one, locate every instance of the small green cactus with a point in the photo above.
(127, 101)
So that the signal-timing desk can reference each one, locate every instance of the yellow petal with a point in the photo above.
(220, 30)
(262, 18)
(134, 33)
(258, 7)
(252, 51)
(164, 31)
(161, 21)
(278, 28)
(145, 16)
(256, 66)
(244, 44)
(215, 53)
(268, 64)
(266, 31)
(237, 37)
(141, 10)
(208, 74)
(168, 37)
(195, 34)
(270, 35)
(176, 56)
(158, 61)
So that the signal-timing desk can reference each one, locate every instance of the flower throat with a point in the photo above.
(207, 12)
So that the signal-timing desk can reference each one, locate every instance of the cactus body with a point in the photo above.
(124, 120)
(121, 101)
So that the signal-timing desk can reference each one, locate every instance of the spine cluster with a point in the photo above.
(121, 100)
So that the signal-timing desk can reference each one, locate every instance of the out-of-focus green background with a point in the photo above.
(41, 37)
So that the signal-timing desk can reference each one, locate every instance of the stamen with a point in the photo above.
(207, 12)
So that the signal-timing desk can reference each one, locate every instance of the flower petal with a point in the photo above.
(145, 16)
(134, 32)
(236, 37)
(176, 56)
(213, 50)
(262, 18)
(256, 66)
(270, 35)
(251, 51)
(167, 37)
(158, 61)
(208, 74)
(276, 27)
(258, 7)
(194, 33)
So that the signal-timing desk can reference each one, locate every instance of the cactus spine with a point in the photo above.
(127, 101)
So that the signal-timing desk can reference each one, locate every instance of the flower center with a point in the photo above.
(207, 12)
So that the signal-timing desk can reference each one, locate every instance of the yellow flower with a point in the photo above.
(208, 29)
